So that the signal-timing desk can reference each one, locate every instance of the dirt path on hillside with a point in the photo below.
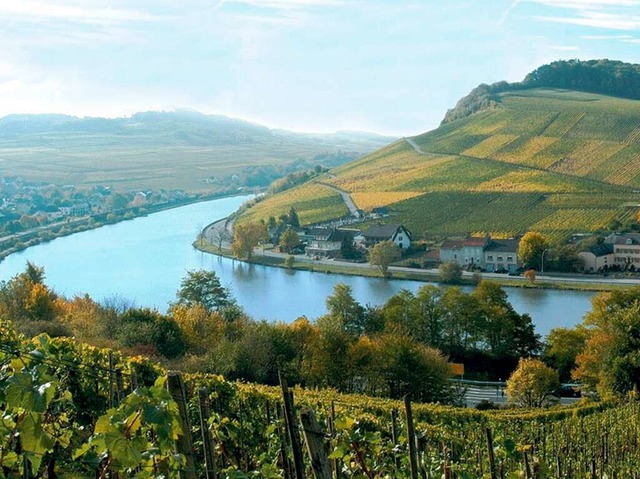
(415, 146)
(346, 197)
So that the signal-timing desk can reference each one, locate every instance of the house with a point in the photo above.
(597, 258)
(327, 242)
(626, 249)
(315, 233)
(139, 199)
(501, 255)
(77, 209)
(468, 252)
(396, 233)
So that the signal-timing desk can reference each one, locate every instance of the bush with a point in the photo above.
(486, 405)
(450, 272)
(145, 327)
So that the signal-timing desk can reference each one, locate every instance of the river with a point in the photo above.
(142, 261)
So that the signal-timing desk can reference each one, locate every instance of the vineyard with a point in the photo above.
(558, 161)
(313, 203)
(70, 410)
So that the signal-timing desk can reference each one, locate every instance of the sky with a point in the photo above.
(390, 67)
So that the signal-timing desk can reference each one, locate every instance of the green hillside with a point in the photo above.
(551, 160)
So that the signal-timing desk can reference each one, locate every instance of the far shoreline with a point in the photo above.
(403, 273)
(22, 241)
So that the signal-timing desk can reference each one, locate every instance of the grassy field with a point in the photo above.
(177, 150)
(555, 161)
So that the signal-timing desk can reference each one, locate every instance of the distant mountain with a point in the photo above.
(179, 149)
(509, 158)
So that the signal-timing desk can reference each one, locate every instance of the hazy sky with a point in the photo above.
(311, 65)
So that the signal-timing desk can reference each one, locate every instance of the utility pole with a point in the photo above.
(542, 264)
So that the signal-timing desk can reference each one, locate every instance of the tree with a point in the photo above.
(531, 248)
(25, 297)
(429, 316)
(117, 202)
(383, 254)
(348, 249)
(410, 368)
(504, 332)
(342, 305)
(293, 218)
(461, 322)
(289, 261)
(289, 240)
(200, 328)
(610, 361)
(450, 272)
(246, 237)
(220, 235)
(146, 327)
(532, 384)
(530, 274)
(562, 349)
(203, 288)
(564, 259)
(326, 361)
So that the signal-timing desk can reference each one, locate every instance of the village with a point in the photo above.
(590, 254)
(25, 204)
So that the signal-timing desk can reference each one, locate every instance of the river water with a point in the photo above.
(142, 261)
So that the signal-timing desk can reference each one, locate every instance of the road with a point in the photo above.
(494, 392)
(222, 227)
(353, 209)
(211, 235)
(415, 146)
(430, 273)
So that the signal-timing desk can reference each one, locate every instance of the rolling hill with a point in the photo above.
(522, 158)
(173, 150)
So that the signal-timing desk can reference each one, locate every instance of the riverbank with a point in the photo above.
(42, 234)
(268, 257)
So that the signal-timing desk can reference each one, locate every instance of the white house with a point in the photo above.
(468, 252)
(597, 258)
(396, 233)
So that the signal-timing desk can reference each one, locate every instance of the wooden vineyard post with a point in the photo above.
(492, 459)
(394, 436)
(112, 381)
(527, 466)
(315, 437)
(292, 427)
(119, 387)
(184, 444)
(286, 464)
(335, 463)
(411, 439)
(207, 442)
(134, 380)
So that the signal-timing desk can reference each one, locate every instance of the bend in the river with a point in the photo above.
(142, 261)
